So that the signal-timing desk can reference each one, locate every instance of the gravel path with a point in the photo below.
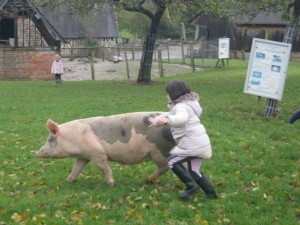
(104, 70)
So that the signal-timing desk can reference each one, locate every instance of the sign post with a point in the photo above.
(267, 70)
(224, 51)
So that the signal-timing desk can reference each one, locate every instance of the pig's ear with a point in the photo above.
(52, 127)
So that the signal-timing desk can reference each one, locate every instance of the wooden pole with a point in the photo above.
(160, 66)
(168, 49)
(133, 56)
(92, 64)
(192, 57)
(127, 66)
(182, 51)
(103, 55)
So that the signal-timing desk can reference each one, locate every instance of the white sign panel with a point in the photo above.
(224, 48)
(267, 68)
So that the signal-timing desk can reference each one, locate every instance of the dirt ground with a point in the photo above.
(80, 69)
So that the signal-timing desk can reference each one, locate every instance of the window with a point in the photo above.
(7, 27)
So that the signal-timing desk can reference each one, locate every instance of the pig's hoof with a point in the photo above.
(112, 183)
(70, 180)
(153, 180)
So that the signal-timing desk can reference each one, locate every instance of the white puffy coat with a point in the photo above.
(189, 134)
(57, 67)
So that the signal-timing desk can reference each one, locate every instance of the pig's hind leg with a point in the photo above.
(77, 168)
(162, 167)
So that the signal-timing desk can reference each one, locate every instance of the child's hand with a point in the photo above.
(151, 120)
(159, 122)
(162, 121)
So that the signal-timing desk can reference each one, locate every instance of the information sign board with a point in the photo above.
(267, 68)
(224, 48)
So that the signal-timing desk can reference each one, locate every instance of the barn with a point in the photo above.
(28, 42)
(96, 28)
(241, 29)
(30, 36)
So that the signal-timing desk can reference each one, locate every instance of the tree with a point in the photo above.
(155, 16)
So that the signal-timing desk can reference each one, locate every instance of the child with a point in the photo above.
(193, 144)
(57, 69)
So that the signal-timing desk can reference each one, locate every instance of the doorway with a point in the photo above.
(7, 27)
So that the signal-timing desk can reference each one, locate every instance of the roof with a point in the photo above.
(2, 3)
(38, 16)
(261, 19)
(99, 23)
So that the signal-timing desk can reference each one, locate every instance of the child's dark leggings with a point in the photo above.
(58, 77)
(194, 163)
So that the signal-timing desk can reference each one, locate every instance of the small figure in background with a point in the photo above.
(295, 116)
(57, 69)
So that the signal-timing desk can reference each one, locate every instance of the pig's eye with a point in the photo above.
(52, 141)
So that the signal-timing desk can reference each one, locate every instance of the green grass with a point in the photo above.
(255, 165)
(126, 34)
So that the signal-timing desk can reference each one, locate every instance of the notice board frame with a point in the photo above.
(267, 68)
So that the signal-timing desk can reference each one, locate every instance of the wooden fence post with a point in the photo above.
(92, 64)
(168, 49)
(127, 66)
(133, 56)
(243, 54)
(192, 57)
(160, 66)
(182, 51)
(103, 55)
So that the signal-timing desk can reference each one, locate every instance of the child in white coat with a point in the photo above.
(193, 144)
(57, 69)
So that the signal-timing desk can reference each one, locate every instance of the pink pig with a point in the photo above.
(124, 138)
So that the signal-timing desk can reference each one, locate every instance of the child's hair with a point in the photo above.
(57, 57)
(177, 88)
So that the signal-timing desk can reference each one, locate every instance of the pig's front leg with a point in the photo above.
(102, 164)
(77, 168)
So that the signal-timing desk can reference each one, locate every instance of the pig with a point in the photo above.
(123, 138)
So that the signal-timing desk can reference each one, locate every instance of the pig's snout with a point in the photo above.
(39, 154)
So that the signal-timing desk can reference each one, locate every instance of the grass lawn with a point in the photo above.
(255, 165)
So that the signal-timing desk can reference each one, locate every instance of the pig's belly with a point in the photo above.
(131, 153)
(130, 160)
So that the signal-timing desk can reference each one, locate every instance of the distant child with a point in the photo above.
(57, 69)
(193, 144)
(295, 116)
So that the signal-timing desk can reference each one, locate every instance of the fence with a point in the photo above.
(180, 53)
(194, 55)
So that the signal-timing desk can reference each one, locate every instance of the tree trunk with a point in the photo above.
(148, 49)
(146, 60)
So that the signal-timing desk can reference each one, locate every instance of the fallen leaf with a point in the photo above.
(3, 211)
(154, 192)
(198, 220)
(131, 212)
(145, 206)
(292, 198)
(122, 199)
(155, 180)
(96, 206)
